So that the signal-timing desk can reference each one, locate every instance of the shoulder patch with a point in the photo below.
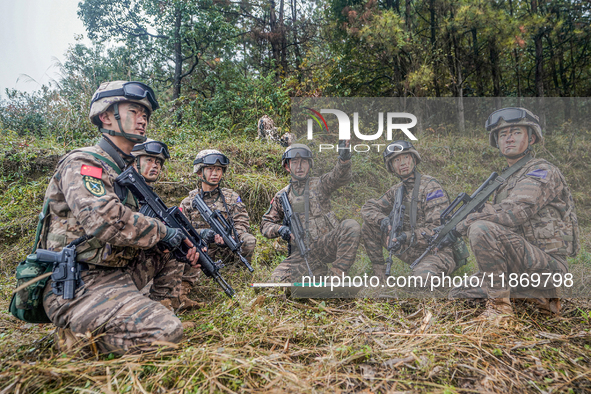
(539, 173)
(239, 199)
(435, 194)
(95, 172)
(94, 186)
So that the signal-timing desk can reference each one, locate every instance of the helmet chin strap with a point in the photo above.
(137, 139)
(202, 177)
(297, 178)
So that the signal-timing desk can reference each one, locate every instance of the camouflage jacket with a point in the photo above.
(321, 218)
(537, 204)
(432, 199)
(236, 208)
(82, 200)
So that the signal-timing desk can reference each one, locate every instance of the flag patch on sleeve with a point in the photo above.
(539, 173)
(95, 172)
(434, 195)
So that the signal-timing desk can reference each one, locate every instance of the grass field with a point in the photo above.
(266, 342)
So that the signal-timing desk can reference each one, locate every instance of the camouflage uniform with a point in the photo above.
(84, 200)
(330, 241)
(431, 201)
(530, 228)
(237, 211)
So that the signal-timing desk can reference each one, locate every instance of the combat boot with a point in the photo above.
(546, 306)
(184, 302)
(69, 342)
(497, 310)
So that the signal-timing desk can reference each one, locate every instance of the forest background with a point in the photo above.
(217, 67)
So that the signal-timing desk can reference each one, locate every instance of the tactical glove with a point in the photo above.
(208, 235)
(173, 239)
(285, 233)
(384, 225)
(344, 151)
(450, 239)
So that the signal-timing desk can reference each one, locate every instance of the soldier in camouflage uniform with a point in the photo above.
(531, 225)
(150, 158)
(401, 158)
(329, 241)
(84, 200)
(210, 166)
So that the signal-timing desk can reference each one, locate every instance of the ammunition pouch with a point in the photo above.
(27, 303)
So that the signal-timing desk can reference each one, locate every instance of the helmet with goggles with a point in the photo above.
(210, 157)
(115, 92)
(151, 148)
(397, 148)
(509, 117)
(297, 150)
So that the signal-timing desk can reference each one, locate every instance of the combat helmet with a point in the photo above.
(210, 157)
(512, 116)
(396, 148)
(295, 150)
(151, 148)
(111, 94)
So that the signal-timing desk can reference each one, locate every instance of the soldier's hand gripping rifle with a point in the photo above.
(65, 278)
(396, 218)
(457, 211)
(220, 225)
(295, 226)
(174, 218)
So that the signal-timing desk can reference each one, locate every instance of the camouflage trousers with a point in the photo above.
(111, 308)
(338, 246)
(191, 274)
(498, 251)
(430, 265)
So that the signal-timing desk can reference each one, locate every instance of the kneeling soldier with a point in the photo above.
(423, 199)
(531, 226)
(328, 240)
(210, 166)
(84, 202)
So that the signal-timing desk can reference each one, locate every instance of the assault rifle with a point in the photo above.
(396, 222)
(458, 210)
(173, 217)
(220, 225)
(295, 226)
(66, 271)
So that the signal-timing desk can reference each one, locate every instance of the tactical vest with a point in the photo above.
(321, 219)
(554, 228)
(61, 231)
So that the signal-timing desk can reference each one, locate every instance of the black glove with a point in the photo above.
(450, 239)
(344, 151)
(384, 224)
(285, 233)
(401, 238)
(208, 235)
(173, 239)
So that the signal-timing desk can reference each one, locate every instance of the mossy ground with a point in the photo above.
(265, 342)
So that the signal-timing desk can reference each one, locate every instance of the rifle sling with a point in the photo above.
(413, 206)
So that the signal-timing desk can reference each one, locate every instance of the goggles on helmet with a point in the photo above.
(397, 147)
(212, 160)
(131, 90)
(509, 115)
(153, 148)
(292, 153)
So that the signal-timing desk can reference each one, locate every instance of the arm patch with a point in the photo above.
(436, 194)
(539, 173)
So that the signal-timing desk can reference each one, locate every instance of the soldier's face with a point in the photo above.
(134, 118)
(299, 167)
(213, 174)
(512, 140)
(150, 167)
(403, 165)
